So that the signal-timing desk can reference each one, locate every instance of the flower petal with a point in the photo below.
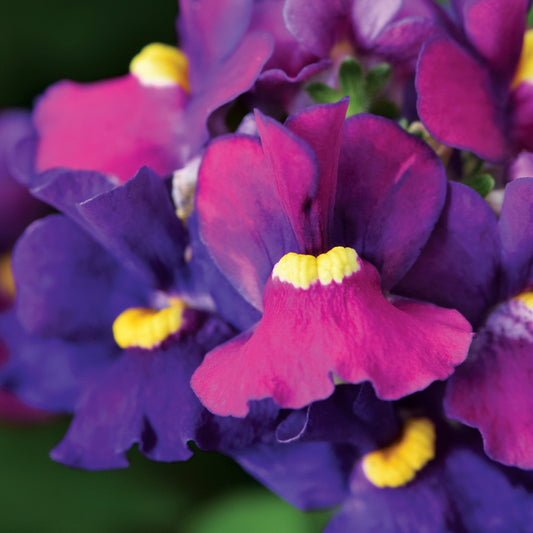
(457, 101)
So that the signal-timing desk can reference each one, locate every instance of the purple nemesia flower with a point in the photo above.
(304, 188)
(466, 94)
(459, 490)
(393, 30)
(493, 389)
(65, 352)
(306, 456)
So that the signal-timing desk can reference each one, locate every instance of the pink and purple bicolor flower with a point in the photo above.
(304, 188)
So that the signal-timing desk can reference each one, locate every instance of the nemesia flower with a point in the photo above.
(493, 389)
(106, 339)
(434, 479)
(473, 86)
(318, 188)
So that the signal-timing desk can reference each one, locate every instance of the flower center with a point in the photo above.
(301, 270)
(139, 327)
(7, 283)
(397, 464)
(161, 65)
(524, 72)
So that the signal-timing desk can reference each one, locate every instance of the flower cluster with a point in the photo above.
(303, 240)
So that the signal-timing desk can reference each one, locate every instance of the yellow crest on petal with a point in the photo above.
(161, 65)
(139, 327)
(526, 298)
(397, 464)
(7, 283)
(302, 270)
(524, 71)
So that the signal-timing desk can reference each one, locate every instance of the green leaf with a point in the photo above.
(481, 183)
(352, 84)
(255, 510)
(377, 78)
(322, 93)
(385, 108)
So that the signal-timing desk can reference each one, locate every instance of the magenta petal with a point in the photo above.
(456, 101)
(305, 336)
(496, 29)
(240, 218)
(115, 127)
(295, 170)
(493, 390)
(522, 116)
(387, 200)
(321, 127)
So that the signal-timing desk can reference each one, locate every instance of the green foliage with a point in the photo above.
(362, 89)
(482, 183)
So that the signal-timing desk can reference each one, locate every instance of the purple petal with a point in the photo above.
(240, 217)
(65, 189)
(516, 225)
(387, 201)
(50, 373)
(136, 222)
(493, 389)
(308, 475)
(457, 101)
(459, 266)
(370, 17)
(318, 24)
(496, 29)
(521, 167)
(17, 207)
(67, 285)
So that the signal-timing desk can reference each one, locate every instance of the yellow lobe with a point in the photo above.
(302, 271)
(139, 327)
(526, 298)
(7, 283)
(161, 65)
(397, 464)
(524, 71)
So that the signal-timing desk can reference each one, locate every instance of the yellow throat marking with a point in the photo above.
(397, 464)
(303, 270)
(139, 327)
(524, 71)
(7, 283)
(161, 65)
(526, 298)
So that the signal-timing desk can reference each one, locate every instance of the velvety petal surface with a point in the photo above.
(387, 200)
(136, 222)
(67, 285)
(306, 336)
(321, 127)
(496, 29)
(318, 24)
(459, 266)
(515, 225)
(457, 101)
(493, 389)
(17, 207)
(50, 373)
(522, 116)
(114, 126)
(308, 475)
(143, 398)
(240, 216)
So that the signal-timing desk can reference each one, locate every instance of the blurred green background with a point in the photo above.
(42, 42)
